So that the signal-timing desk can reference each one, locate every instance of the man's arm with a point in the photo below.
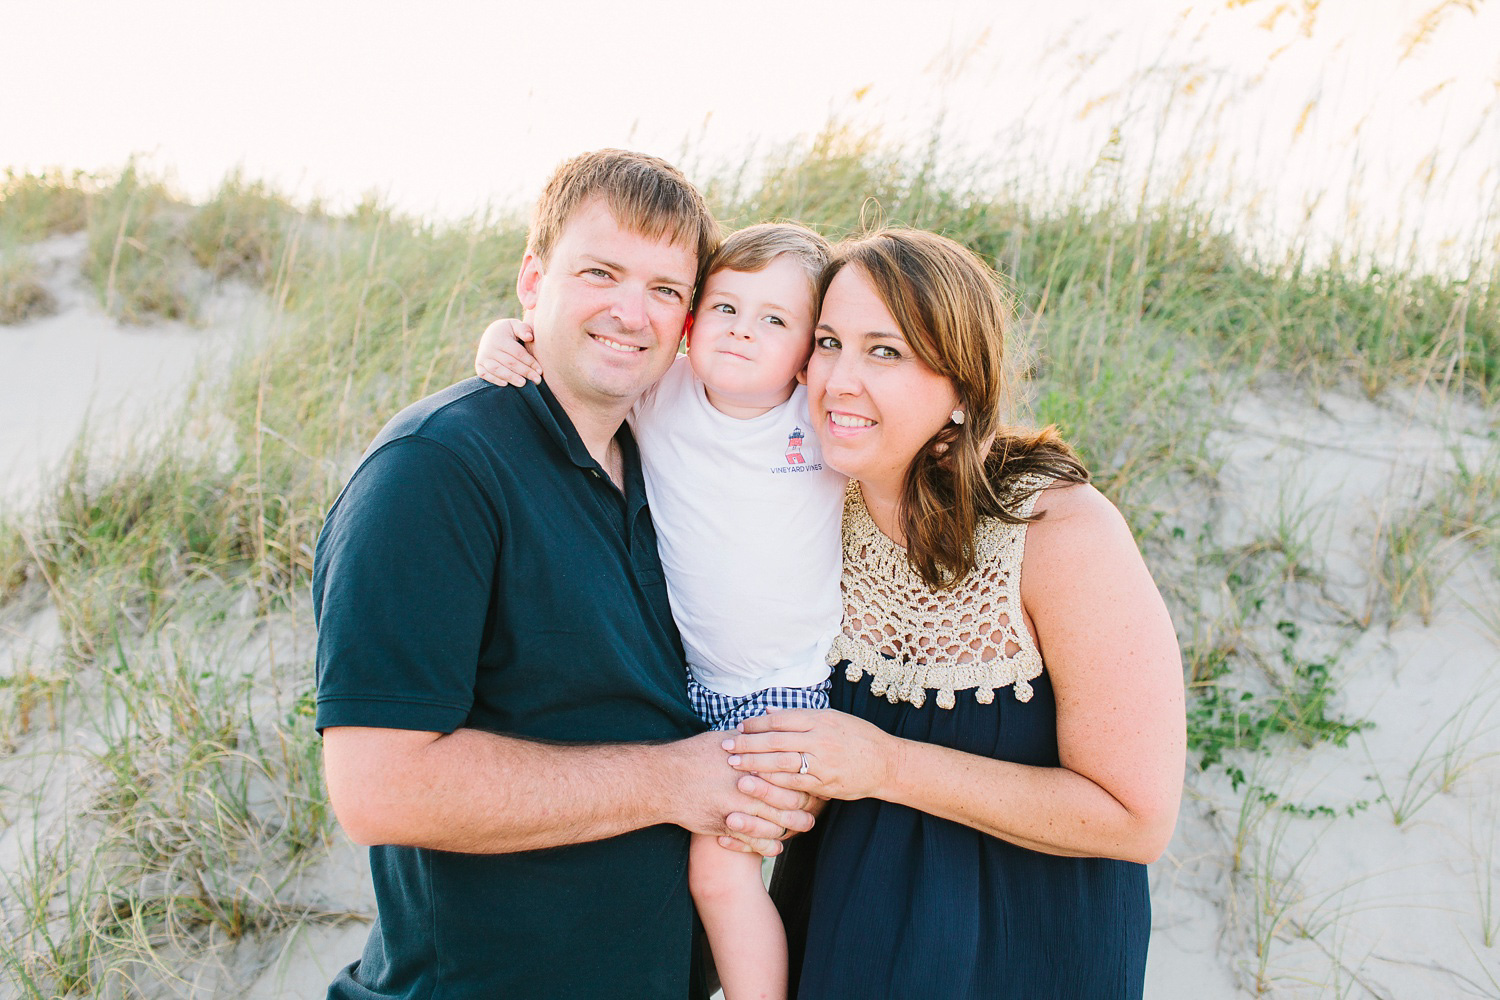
(482, 793)
(402, 583)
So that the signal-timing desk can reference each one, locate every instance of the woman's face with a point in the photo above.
(874, 403)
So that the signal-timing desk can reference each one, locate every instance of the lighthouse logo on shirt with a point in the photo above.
(794, 447)
(795, 461)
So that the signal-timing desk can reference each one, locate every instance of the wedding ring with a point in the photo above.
(803, 768)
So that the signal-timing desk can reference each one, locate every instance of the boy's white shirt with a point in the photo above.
(750, 538)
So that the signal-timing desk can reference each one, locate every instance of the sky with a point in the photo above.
(445, 107)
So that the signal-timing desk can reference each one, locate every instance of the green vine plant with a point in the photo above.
(1228, 722)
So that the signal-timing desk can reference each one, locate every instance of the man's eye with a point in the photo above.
(597, 272)
(670, 292)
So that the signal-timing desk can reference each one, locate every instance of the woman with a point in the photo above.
(1005, 750)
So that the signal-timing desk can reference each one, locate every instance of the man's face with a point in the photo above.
(608, 309)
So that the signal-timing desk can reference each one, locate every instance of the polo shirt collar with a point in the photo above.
(549, 413)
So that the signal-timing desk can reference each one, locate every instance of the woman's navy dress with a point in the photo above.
(882, 900)
(902, 904)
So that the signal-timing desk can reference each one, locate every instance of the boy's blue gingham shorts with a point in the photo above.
(722, 711)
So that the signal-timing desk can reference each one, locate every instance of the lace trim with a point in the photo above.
(910, 638)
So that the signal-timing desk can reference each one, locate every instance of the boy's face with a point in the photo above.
(752, 335)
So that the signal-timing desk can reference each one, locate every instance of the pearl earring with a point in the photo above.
(957, 416)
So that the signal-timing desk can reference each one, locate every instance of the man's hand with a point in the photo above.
(744, 811)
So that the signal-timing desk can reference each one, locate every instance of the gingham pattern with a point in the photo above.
(722, 711)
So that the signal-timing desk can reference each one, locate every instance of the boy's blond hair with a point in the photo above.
(754, 247)
(645, 193)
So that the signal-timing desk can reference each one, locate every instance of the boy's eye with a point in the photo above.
(723, 307)
(776, 319)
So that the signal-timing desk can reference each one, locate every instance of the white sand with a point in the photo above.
(1352, 905)
(1348, 905)
(79, 367)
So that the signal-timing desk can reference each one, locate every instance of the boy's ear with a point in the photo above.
(529, 280)
(802, 375)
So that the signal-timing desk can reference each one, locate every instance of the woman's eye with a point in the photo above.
(826, 343)
(887, 353)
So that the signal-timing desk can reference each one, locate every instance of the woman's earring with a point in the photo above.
(957, 416)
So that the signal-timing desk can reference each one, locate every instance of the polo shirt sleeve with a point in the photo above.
(402, 583)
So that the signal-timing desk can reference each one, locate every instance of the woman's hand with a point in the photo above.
(503, 357)
(847, 758)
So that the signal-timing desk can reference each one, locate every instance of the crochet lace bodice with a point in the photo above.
(909, 637)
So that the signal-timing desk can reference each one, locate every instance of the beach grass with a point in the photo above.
(135, 250)
(23, 296)
(197, 794)
(242, 230)
(1446, 756)
(193, 804)
(37, 205)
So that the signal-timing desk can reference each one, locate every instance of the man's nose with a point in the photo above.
(630, 308)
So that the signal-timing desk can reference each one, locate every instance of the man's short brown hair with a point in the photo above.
(646, 194)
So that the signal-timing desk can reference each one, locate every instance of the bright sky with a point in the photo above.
(450, 104)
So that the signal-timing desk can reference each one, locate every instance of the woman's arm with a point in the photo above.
(1116, 671)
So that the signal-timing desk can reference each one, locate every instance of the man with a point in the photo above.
(500, 685)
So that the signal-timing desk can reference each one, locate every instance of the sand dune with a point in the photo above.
(1381, 881)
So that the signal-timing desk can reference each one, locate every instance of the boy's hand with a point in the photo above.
(504, 358)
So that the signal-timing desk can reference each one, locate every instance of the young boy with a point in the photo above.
(748, 526)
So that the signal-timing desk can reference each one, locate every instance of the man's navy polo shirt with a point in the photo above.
(480, 570)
